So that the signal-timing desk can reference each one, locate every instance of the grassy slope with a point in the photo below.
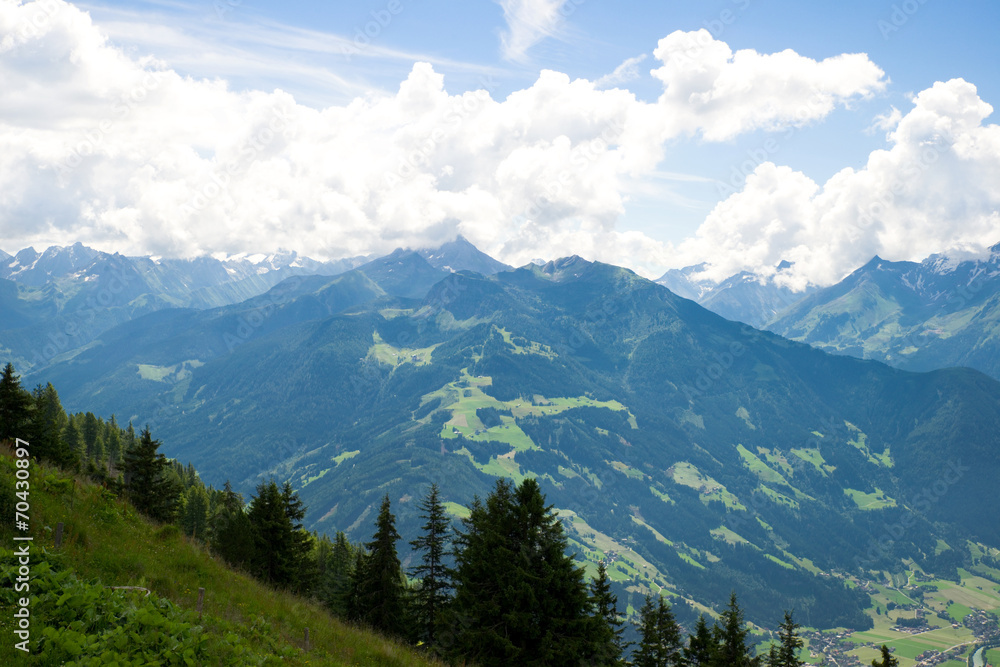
(105, 540)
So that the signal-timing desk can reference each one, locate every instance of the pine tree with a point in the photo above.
(335, 561)
(660, 636)
(15, 406)
(609, 626)
(300, 546)
(519, 597)
(114, 443)
(432, 596)
(731, 637)
(48, 424)
(75, 450)
(887, 659)
(149, 487)
(273, 535)
(379, 595)
(91, 429)
(232, 534)
(788, 653)
(194, 519)
(701, 648)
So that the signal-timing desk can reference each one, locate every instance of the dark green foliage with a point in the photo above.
(232, 533)
(335, 565)
(150, 487)
(519, 598)
(432, 595)
(378, 594)
(701, 648)
(281, 546)
(731, 638)
(48, 424)
(15, 406)
(660, 637)
(787, 654)
(887, 659)
(490, 417)
(609, 646)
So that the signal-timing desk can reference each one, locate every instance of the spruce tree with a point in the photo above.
(273, 535)
(660, 636)
(887, 659)
(15, 406)
(195, 516)
(788, 653)
(114, 443)
(335, 561)
(432, 596)
(731, 637)
(232, 534)
(147, 483)
(609, 626)
(519, 598)
(701, 648)
(48, 425)
(75, 450)
(379, 594)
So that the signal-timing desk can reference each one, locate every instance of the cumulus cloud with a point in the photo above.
(934, 189)
(126, 154)
(711, 89)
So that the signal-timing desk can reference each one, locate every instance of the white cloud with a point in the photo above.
(933, 189)
(625, 72)
(126, 154)
(710, 89)
(528, 22)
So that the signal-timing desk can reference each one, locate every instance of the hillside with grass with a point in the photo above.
(79, 613)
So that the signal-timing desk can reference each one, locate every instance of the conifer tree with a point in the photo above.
(15, 406)
(701, 648)
(272, 534)
(114, 443)
(609, 626)
(91, 430)
(731, 637)
(519, 597)
(790, 643)
(73, 442)
(149, 487)
(432, 596)
(335, 563)
(378, 597)
(887, 659)
(195, 516)
(660, 636)
(232, 534)
(48, 424)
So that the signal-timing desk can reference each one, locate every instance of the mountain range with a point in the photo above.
(937, 313)
(688, 451)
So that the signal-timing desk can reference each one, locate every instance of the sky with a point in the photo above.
(653, 135)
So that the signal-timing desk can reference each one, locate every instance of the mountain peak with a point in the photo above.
(462, 255)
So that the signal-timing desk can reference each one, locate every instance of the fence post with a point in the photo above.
(59, 529)
(307, 639)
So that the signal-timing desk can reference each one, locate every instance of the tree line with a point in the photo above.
(499, 589)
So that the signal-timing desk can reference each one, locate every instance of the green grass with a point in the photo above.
(870, 501)
(686, 474)
(105, 541)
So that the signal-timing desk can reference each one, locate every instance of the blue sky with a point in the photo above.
(320, 54)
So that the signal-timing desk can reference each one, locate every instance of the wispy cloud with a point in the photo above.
(319, 67)
(627, 71)
(528, 22)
